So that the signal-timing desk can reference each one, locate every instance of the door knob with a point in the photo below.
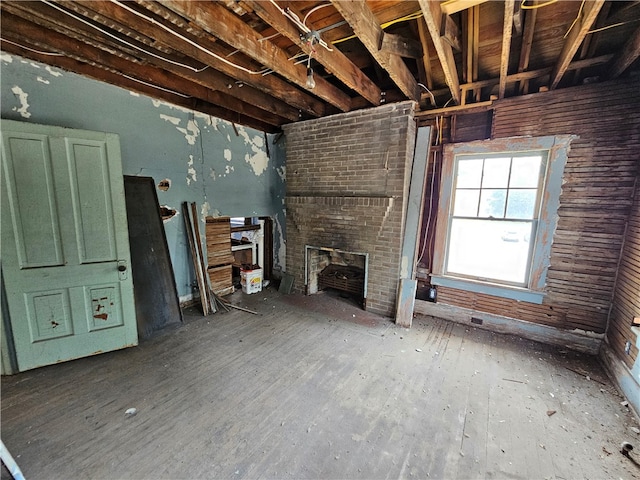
(122, 268)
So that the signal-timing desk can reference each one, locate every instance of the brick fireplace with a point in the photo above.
(347, 185)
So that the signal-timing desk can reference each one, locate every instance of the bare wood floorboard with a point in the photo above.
(316, 388)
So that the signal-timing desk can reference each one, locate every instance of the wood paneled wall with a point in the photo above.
(595, 204)
(626, 300)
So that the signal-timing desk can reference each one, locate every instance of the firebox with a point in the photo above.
(338, 269)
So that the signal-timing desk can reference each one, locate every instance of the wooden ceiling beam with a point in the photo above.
(449, 7)
(116, 79)
(210, 77)
(527, 41)
(433, 15)
(215, 19)
(426, 59)
(365, 25)
(528, 75)
(506, 46)
(18, 29)
(590, 43)
(335, 62)
(627, 56)
(586, 17)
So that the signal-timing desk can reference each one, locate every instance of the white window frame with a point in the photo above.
(557, 148)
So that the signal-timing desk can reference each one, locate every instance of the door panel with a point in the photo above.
(91, 196)
(103, 305)
(81, 304)
(48, 314)
(31, 200)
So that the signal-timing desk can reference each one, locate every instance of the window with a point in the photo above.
(496, 203)
(499, 202)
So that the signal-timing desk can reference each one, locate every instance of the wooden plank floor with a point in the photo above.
(316, 388)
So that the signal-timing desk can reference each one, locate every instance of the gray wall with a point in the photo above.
(225, 173)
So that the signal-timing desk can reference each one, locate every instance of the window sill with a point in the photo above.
(513, 293)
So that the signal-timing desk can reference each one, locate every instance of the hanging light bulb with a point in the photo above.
(310, 83)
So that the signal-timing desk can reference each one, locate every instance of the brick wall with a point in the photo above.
(347, 183)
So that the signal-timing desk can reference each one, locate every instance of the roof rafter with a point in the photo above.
(506, 46)
(365, 25)
(91, 61)
(586, 17)
(432, 16)
(102, 11)
(335, 62)
(527, 41)
(215, 19)
(630, 52)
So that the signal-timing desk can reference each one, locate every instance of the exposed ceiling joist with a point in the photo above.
(506, 46)
(432, 16)
(109, 12)
(426, 59)
(366, 27)
(245, 60)
(333, 61)
(527, 42)
(147, 80)
(629, 54)
(449, 7)
(586, 17)
(220, 22)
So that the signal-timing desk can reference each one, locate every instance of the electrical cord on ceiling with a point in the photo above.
(32, 49)
(188, 40)
(119, 39)
(155, 86)
(309, 35)
(533, 7)
(411, 16)
(304, 20)
(433, 99)
(576, 19)
(612, 26)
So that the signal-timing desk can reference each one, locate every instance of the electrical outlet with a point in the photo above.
(627, 348)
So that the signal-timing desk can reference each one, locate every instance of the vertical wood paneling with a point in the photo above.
(595, 206)
(626, 301)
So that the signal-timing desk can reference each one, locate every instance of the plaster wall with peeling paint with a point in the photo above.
(226, 170)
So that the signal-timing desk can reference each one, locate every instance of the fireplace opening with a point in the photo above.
(340, 270)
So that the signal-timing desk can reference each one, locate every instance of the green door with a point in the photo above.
(65, 246)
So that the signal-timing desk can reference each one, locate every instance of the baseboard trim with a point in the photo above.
(579, 340)
(622, 376)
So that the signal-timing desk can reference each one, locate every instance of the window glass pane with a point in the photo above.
(521, 204)
(492, 203)
(525, 172)
(466, 203)
(469, 173)
(496, 173)
(486, 249)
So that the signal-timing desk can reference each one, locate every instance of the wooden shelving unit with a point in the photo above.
(219, 255)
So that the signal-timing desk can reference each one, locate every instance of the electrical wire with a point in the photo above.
(119, 39)
(533, 7)
(411, 16)
(304, 20)
(576, 19)
(429, 215)
(433, 99)
(32, 49)
(155, 86)
(287, 12)
(612, 26)
(188, 40)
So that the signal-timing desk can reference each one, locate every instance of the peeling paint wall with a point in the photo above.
(201, 157)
